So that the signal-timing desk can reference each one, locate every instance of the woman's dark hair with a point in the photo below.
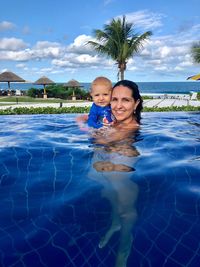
(135, 94)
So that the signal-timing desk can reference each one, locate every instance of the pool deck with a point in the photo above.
(160, 102)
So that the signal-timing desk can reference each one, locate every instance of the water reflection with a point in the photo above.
(113, 166)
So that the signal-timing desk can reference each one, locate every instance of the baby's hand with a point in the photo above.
(82, 118)
(105, 121)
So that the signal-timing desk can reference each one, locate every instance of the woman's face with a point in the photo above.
(123, 104)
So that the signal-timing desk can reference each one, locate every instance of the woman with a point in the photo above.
(113, 168)
(126, 104)
(113, 165)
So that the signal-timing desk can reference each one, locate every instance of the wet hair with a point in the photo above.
(135, 94)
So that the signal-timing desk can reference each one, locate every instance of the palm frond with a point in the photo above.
(119, 41)
(196, 52)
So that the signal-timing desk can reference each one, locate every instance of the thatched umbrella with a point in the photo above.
(44, 81)
(9, 77)
(194, 77)
(73, 84)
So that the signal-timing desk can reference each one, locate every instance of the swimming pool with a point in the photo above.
(58, 210)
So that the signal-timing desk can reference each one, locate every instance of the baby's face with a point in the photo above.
(101, 95)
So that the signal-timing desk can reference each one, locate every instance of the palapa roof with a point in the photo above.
(44, 80)
(9, 76)
(72, 83)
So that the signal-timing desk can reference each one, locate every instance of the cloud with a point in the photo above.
(12, 44)
(46, 49)
(79, 45)
(16, 50)
(145, 19)
(6, 25)
(77, 61)
(167, 55)
(24, 55)
(26, 30)
(160, 55)
(21, 65)
(107, 2)
(161, 68)
(62, 63)
(46, 44)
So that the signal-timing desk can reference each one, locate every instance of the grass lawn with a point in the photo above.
(25, 99)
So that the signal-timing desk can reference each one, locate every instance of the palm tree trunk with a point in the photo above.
(122, 68)
(122, 74)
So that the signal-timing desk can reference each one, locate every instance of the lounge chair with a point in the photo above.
(18, 92)
(193, 96)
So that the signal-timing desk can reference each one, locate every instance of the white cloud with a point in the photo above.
(50, 52)
(186, 64)
(62, 63)
(160, 55)
(164, 51)
(45, 49)
(12, 44)
(145, 19)
(178, 68)
(79, 45)
(87, 59)
(16, 55)
(134, 68)
(46, 44)
(6, 25)
(161, 68)
(20, 65)
(77, 61)
(155, 62)
(26, 30)
(107, 2)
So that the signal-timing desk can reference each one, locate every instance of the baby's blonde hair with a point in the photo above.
(101, 80)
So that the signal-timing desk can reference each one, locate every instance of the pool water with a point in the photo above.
(61, 207)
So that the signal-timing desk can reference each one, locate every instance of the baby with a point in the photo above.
(100, 112)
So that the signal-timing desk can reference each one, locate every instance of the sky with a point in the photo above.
(48, 38)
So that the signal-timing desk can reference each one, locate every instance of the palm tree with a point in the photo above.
(119, 41)
(196, 52)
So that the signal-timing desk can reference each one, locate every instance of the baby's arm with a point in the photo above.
(82, 118)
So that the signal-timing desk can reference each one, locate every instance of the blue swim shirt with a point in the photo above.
(96, 115)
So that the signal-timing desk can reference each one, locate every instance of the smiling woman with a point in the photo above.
(126, 104)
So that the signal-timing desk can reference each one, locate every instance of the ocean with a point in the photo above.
(145, 87)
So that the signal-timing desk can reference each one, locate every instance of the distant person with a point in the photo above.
(100, 112)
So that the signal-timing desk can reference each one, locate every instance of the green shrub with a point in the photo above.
(33, 92)
(52, 110)
(44, 110)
